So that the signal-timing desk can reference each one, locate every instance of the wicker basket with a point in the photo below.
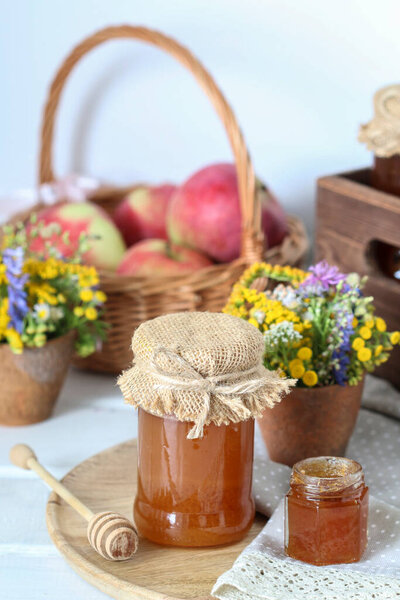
(132, 300)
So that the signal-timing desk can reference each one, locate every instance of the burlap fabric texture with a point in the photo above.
(201, 367)
(382, 133)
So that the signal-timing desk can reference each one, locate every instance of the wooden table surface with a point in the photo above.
(90, 416)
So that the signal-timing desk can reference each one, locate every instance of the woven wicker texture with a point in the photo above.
(132, 300)
(201, 367)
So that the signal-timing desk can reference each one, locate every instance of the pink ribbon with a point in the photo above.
(72, 188)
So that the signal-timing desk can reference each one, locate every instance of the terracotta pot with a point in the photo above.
(311, 422)
(31, 381)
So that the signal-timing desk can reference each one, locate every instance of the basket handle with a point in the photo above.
(252, 236)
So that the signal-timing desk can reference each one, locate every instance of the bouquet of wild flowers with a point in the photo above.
(318, 326)
(45, 297)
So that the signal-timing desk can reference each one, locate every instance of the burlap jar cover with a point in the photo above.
(201, 367)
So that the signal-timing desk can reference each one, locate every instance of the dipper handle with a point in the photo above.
(110, 534)
(24, 457)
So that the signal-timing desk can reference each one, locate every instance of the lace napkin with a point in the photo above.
(263, 571)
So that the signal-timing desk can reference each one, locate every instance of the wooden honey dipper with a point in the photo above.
(110, 534)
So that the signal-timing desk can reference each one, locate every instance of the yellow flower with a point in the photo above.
(283, 273)
(100, 296)
(354, 322)
(364, 354)
(380, 324)
(296, 362)
(88, 276)
(395, 337)
(358, 343)
(304, 353)
(253, 322)
(61, 298)
(91, 313)
(370, 323)
(378, 350)
(86, 295)
(14, 339)
(310, 378)
(365, 332)
(78, 311)
(297, 371)
(3, 276)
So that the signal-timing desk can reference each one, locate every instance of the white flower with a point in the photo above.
(308, 316)
(283, 332)
(259, 316)
(286, 294)
(42, 310)
(56, 313)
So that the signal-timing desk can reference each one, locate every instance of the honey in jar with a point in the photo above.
(198, 381)
(326, 511)
(193, 492)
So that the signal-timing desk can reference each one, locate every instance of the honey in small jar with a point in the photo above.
(193, 492)
(326, 511)
(198, 381)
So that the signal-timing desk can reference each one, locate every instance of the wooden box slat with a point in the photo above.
(350, 216)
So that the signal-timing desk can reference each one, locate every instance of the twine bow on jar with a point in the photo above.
(185, 377)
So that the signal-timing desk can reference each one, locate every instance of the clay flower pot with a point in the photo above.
(31, 381)
(311, 422)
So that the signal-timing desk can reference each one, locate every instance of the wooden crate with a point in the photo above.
(351, 217)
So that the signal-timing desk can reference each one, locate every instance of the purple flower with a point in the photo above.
(13, 258)
(341, 354)
(323, 275)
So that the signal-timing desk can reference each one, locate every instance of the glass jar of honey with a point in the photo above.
(326, 511)
(198, 381)
(193, 492)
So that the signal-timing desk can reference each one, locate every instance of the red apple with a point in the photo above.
(157, 258)
(205, 213)
(105, 249)
(142, 214)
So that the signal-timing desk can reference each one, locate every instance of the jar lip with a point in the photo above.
(328, 469)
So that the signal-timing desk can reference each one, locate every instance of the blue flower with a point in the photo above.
(13, 258)
(344, 324)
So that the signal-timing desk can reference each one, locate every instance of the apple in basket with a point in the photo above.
(142, 214)
(204, 213)
(106, 246)
(158, 258)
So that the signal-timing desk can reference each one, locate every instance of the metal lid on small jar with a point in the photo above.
(382, 133)
(201, 367)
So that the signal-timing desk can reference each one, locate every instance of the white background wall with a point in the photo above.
(300, 75)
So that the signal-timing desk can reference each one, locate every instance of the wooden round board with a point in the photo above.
(107, 481)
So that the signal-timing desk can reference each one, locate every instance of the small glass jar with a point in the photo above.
(326, 511)
(193, 492)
